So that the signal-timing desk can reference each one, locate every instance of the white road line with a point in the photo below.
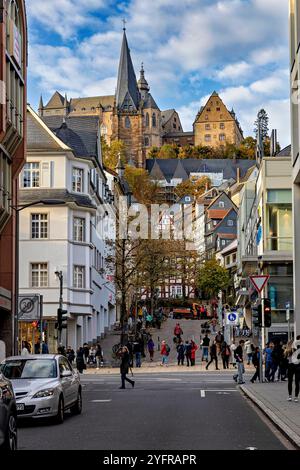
(202, 393)
(100, 401)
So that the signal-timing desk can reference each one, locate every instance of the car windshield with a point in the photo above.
(30, 369)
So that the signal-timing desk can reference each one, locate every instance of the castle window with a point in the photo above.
(207, 127)
(147, 141)
(222, 125)
(206, 117)
(93, 108)
(218, 109)
(208, 110)
(147, 120)
(222, 137)
(127, 122)
(174, 126)
(153, 120)
(82, 109)
(208, 138)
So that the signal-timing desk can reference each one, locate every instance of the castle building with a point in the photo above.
(215, 125)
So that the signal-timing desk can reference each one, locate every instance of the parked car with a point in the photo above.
(44, 386)
(8, 416)
(179, 313)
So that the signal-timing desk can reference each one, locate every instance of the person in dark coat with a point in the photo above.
(80, 362)
(124, 367)
(256, 363)
(213, 355)
(70, 354)
(180, 353)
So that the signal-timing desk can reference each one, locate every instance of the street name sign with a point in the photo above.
(259, 282)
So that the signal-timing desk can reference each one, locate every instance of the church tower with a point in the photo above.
(128, 115)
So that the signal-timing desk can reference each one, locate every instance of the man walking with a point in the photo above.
(188, 352)
(256, 363)
(180, 353)
(213, 355)
(124, 367)
(239, 357)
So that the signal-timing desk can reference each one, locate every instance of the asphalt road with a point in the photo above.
(164, 411)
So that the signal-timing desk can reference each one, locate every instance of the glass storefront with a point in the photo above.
(279, 220)
(30, 332)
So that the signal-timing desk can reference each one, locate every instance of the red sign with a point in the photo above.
(259, 282)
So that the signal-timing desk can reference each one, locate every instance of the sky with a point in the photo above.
(189, 48)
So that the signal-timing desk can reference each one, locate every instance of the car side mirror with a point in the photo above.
(65, 373)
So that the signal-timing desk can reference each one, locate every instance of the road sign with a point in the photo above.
(29, 308)
(232, 318)
(259, 282)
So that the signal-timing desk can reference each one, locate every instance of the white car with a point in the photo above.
(44, 386)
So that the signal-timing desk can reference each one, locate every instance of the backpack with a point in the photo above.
(168, 349)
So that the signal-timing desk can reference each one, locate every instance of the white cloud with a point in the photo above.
(234, 71)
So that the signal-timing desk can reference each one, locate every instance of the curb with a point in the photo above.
(284, 428)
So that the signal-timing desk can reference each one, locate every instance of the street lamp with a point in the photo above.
(18, 209)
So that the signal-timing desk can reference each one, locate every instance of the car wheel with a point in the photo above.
(59, 418)
(11, 439)
(77, 408)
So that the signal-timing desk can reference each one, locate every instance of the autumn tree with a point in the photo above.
(141, 186)
(212, 278)
(111, 154)
(168, 151)
(193, 187)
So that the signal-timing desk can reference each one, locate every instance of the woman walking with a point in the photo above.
(292, 353)
(225, 354)
(164, 352)
(80, 360)
(213, 355)
(124, 367)
(151, 347)
(194, 348)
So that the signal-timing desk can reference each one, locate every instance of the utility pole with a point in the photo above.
(60, 276)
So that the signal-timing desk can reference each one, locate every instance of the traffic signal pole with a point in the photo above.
(263, 336)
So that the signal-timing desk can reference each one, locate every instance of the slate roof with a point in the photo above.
(30, 195)
(226, 166)
(166, 115)
(180, 172)
(180, 134)
(79, 133)
(150, 103)
(286, 152)
(76, 104)
(127, 88)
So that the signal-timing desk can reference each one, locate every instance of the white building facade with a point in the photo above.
(65, 233)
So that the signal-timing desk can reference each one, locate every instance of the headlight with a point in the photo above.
(44, 393)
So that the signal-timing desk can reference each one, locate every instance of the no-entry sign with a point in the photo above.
(259, 282)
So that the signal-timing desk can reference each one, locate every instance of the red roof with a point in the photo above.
(217, 213)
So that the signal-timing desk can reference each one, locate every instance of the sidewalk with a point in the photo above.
(271, 398)
(173, 368)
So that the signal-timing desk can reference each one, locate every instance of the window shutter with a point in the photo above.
(46, 177)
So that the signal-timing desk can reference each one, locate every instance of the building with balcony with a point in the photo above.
(13, 65)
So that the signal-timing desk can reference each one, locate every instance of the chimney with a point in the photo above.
(273, 143)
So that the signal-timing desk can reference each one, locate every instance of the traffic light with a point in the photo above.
(257, 316)
(268, 313)
(62, 319)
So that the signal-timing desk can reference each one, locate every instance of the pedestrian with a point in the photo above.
(188, 352)
(256, 363)
(149, 320)
(178, 331)
(61, 350)
(151, 347)
(283, 366)
(124, 366)
(70, 354)
(92, 356)
(137, 351)
(80, 360)
(293, 354)
(268, 360)
(214, 324)
(86, 351)
(240, 363)
(180, 353)
(37, 348)
(276, 359)
(213, 356)
(45, 349)
(219, 340)
(99, 356)
(164, 352)
(205, 347)
(194, 348)
(225, 354)
(25, 349)
(249, 352)
(232, 349)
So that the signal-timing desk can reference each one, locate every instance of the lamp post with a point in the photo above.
(18, 209)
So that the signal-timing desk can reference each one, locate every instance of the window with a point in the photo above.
(79, 229)
(234, 258)
(221, 204)
(223, 242)
(153, 120)
(127, 123)
(222, 125)
(206, 117)
(39, 226)
(208, 110)
(79, 277)
(77, 185)
(279, 220)
(39, 275)
(230, 223)
(147, 142)
(218, 109)
(208, 138)
(222, 137)
(207, 127)
(147, 120)
(5, 186)
(31, 175)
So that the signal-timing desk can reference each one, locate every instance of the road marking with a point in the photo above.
(222, 391)
(100, 401)
(202, 393)
(251, 448)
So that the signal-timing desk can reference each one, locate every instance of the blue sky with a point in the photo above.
(189, 48)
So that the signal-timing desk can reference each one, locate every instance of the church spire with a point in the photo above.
(143, 84)
(127, 95)
(41, 106)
